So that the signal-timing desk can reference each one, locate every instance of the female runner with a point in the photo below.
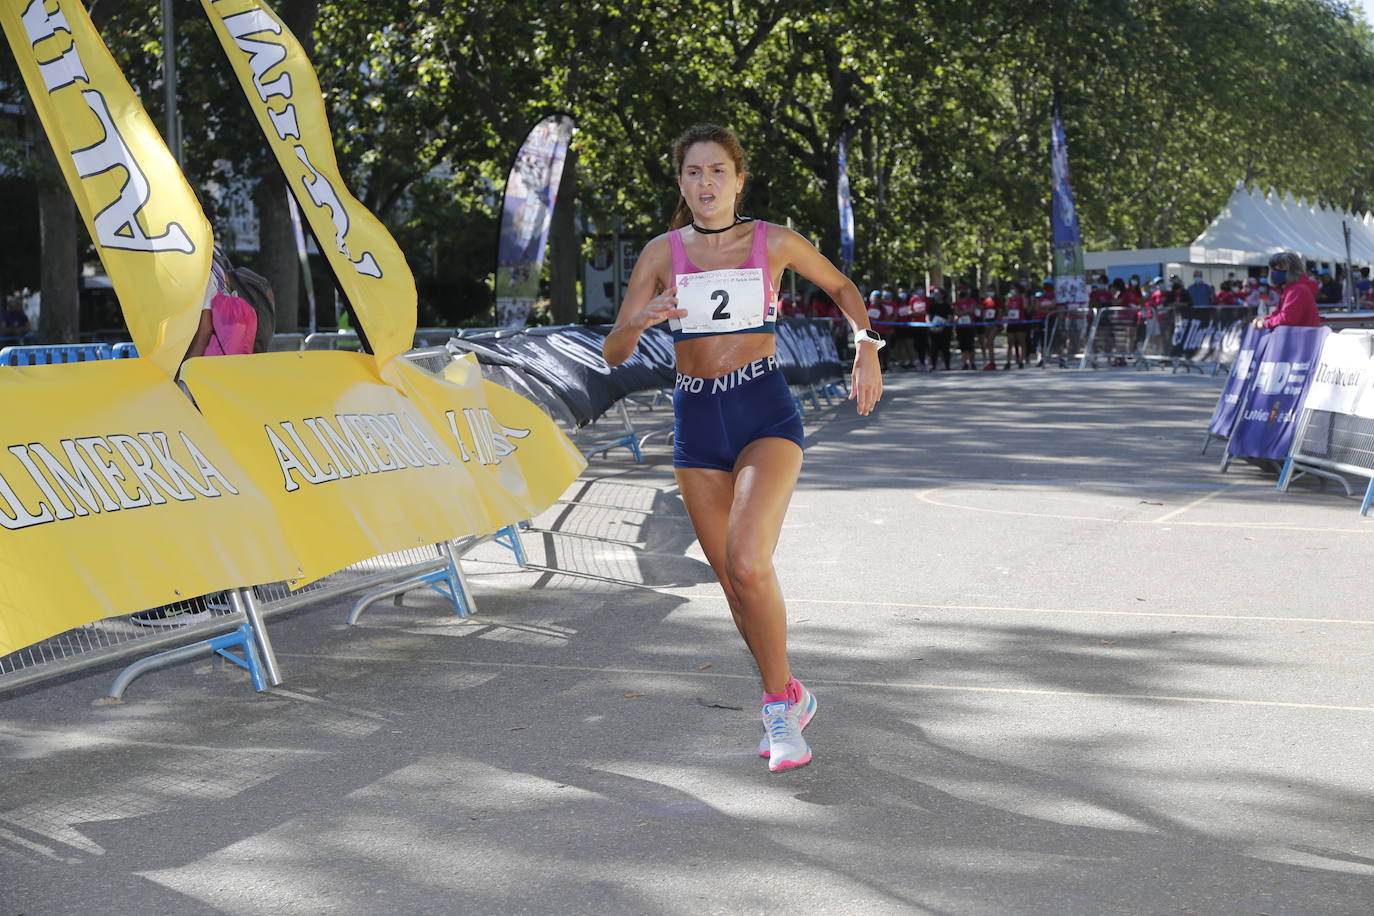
(738, 435)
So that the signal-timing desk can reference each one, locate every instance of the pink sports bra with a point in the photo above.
(758, 260)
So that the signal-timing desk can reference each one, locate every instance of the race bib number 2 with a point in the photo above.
(718, 301)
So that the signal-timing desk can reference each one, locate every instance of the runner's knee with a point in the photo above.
(750, 571)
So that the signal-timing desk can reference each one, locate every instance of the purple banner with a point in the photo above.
(1069, 286)
(1237, 384)
(846, 207)
(1284, 361)
(526, 213)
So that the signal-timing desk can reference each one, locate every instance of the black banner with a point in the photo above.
(1199, 333)
(562, 368)
(806, 351)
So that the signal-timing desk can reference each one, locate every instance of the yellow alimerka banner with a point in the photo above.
(521, 460)
(146, 223)
(284, 93)
(115, 496)
(351, 466)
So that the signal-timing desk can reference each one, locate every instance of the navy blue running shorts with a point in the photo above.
(715, 418)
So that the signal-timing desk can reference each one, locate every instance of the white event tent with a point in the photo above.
(1250, 228)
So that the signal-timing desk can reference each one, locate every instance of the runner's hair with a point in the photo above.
(704, 133)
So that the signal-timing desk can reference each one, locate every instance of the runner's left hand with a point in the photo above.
(866, 382)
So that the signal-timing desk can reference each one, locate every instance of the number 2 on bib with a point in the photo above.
(720, 314)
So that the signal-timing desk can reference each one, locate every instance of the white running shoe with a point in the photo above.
(808, 709)
(788, 749)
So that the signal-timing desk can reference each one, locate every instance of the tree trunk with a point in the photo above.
(277, 246)
(59, 320)
(565, 248)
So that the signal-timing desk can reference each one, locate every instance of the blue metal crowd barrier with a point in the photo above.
(48, 354)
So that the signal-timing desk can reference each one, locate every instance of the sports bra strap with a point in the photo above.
(679, 252)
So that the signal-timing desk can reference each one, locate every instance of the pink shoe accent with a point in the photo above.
(794, 691)
(782, 765)
(775, 698)
(807, 714)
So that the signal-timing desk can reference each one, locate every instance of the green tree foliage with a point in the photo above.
(1167, 104)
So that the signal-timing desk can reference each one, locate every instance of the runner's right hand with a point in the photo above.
(660, 309)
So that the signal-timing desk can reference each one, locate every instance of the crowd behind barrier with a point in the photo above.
(1177, 337)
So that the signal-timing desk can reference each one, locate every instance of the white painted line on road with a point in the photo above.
(1195, 503)
(881, 685)
(947, 482)
(925, 497)
(1047, 610)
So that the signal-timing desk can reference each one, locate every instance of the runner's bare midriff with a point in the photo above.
(719, 355)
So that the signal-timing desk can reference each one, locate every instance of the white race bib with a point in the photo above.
(989, 314)
(964, 319)
(719, 301)
(1014, 314)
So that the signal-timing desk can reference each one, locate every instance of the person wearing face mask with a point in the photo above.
(1297, 294)
(1178, 293)
(1262, 299)
(1200, 292)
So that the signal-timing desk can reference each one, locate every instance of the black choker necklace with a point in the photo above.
(738, 220)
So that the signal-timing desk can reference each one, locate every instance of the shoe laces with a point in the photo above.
(778, 723)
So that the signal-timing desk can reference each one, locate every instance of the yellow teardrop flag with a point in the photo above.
(146, 223)
(284, 93)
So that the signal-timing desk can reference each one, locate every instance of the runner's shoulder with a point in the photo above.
(781, 239)
(658, 247)
(656, 257)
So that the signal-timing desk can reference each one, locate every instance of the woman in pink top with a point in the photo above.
(737, 450)
(1298, 293)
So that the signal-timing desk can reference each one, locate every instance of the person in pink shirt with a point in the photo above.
(920, 337)
(966, 309)
(1100, 295)
(1016, 315)
(1154, 302)
(1131, 297)
(888, 328)
(904, 341)
(989, 317)
(1297, 294)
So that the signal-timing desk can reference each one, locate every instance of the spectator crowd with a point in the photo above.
(924, 328)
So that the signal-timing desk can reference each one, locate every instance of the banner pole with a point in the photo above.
(1348, 288)
(169, 81)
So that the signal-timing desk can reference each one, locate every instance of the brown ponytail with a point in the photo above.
(703, 133)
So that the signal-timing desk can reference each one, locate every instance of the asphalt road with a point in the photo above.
(1064, 666)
